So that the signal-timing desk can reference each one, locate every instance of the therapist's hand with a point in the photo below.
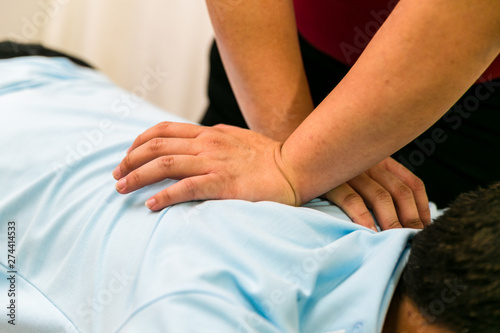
(396, 196)
(221, 162)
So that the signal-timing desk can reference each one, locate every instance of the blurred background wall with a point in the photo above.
(127, 40)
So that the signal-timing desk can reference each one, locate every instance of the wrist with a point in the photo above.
(289, 175)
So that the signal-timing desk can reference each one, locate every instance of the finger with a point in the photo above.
(416, 185)
(378, 199)
(352, 204)
(174, 167)
(151, 150)
(188, 189)
(167, 129)
(401, 194)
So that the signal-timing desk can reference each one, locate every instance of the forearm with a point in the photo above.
(421, 61)
(259, 48)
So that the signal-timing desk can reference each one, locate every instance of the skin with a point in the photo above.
(271, 88)
(403, 317)
(407, 76)
(414, 69)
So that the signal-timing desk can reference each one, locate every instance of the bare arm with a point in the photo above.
(259, 47)
(421, 61)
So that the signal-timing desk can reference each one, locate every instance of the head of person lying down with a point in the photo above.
(452, 280)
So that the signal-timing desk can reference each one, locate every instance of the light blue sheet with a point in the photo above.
(91, 260)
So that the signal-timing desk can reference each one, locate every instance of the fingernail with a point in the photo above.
(151, 203)
(374, 228)
(129, 149)
(121, 184)
(117, 173)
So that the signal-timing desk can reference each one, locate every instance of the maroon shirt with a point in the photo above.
(343, 28)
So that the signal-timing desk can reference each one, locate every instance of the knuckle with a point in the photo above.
(221, 126)
(383, 196)
(393, 224)
(166, 163)
(134, 178)
(206, 134)
(418, 185)
(404, 191)
(190, 188)
(165, 197)
(414, 223)
(352, 199)
(155, 145)
(163, 126)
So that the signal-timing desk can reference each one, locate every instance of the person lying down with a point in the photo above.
(86, 259)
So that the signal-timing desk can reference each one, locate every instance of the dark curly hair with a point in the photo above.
(453, 272)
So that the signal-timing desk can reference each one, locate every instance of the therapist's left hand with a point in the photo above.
(220, 162)
(395, 195)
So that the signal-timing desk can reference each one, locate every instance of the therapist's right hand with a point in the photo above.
(220, 162)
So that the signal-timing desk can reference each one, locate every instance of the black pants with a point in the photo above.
(457, 154)
(11, 50)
